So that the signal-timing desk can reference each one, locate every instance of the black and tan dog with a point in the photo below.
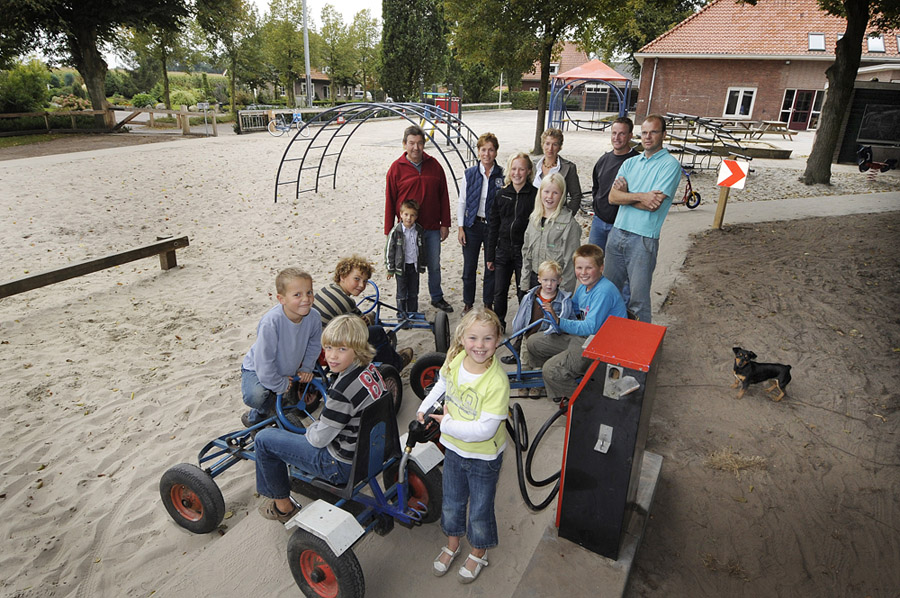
(747, 372)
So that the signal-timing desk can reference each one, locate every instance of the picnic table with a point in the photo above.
(775, 127)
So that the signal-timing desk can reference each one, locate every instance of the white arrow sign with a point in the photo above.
(733, 174)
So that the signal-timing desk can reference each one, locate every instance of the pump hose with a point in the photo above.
(518, 431)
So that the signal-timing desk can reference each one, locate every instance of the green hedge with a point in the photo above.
(36, 123)
(528, 100)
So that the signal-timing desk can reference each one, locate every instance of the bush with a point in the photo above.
(71, 102)
(180, 96)
(143, 100)
(524, 100)
(23, 88)
(120, 83)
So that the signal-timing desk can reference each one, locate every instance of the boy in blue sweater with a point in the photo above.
(560, 355)
(288, 343)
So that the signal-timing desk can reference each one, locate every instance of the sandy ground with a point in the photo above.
(113, 377)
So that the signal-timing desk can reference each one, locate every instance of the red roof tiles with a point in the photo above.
(771, 28)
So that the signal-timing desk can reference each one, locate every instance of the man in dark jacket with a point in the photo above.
(605, 171)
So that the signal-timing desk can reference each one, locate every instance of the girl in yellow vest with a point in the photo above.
(475, 390)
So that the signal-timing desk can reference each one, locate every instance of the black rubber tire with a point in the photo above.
(274, 130)
(693, 201)
(441, 332)
(392, 338)
(318, 571)
(427, 488)
(423, 373)
(192, 498)
(393, 383)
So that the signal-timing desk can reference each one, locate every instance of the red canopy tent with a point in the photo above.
(592, 71)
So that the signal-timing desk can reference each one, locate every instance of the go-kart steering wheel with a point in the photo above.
(371, 298)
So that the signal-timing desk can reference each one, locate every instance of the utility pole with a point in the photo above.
(309, 87)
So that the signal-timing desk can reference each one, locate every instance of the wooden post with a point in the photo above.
(72, 116)
(185, 121)
(167, 259)
(720, 207)
(47, 121)
(215, 130)
(151, 119)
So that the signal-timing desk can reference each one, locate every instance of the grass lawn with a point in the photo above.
(29, 139)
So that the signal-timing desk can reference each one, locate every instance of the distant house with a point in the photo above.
(321, 85)
(569, 58)
(763, 62)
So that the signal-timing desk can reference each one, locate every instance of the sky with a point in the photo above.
(348, 8)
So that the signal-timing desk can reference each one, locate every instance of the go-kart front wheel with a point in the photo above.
(192, 498)
(427, 489)
(319, 572)
(393, 383)
(424, 373)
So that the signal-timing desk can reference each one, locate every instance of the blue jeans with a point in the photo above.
(631, 259)
(471, 481)
(277, 448)
(476, 236)
(260, 399)
(599, 232)
(431, 243)
(599, 235)
(384, 352)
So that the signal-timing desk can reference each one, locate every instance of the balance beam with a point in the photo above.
(164, 248)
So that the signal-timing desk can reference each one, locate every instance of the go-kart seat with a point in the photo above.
(377, 442)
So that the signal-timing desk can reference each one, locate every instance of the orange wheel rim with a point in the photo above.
(186, 502)
(318, 574)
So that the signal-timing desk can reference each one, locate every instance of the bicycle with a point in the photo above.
(279, 125)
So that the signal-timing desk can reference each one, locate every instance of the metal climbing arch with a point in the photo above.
(309, 160)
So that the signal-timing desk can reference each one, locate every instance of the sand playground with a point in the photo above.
(112, 378)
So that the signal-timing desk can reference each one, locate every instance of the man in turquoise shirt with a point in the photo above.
(643, 191)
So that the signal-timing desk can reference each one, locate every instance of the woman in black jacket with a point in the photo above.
(506, 230)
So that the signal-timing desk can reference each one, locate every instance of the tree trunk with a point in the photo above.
(841, 76)
(546, 51)
(89, 62)
(232, 85)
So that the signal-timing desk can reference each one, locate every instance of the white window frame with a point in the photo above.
(875, 44)
(741, 91)
(819, 39)
(554, 68)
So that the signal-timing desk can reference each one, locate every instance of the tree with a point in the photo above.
(632, 26)
(229, 26)
(509, 35)
(477, 81)
(77, 29)
(23, 88)
(338, 51)
(282, 44)
(364, 34)
(153, 49)
(413, 46)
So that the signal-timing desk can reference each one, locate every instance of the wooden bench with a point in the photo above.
(164, 248)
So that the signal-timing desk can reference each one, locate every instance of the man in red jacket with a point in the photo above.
(416, 175)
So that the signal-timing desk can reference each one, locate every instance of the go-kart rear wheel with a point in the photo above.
(319, 572)
(393, 383)
(192, 498)
(441, 332)
(424, 373)
(427, 489)
(693, 201)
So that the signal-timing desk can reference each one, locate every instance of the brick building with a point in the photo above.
(763, 62)
(569, 57)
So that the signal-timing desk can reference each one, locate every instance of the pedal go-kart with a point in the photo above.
(440, 328)
(320, 549)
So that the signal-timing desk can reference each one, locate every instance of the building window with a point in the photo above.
(816, 110)
(535, 89)
(554, 68)
(788, 103)
(876, 43)
(281, 91)
(327, 92)
(816, 42)
(739, 102)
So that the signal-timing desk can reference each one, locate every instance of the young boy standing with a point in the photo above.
(596, 298)
(326, 450)
(288, 342)
(404, 256)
